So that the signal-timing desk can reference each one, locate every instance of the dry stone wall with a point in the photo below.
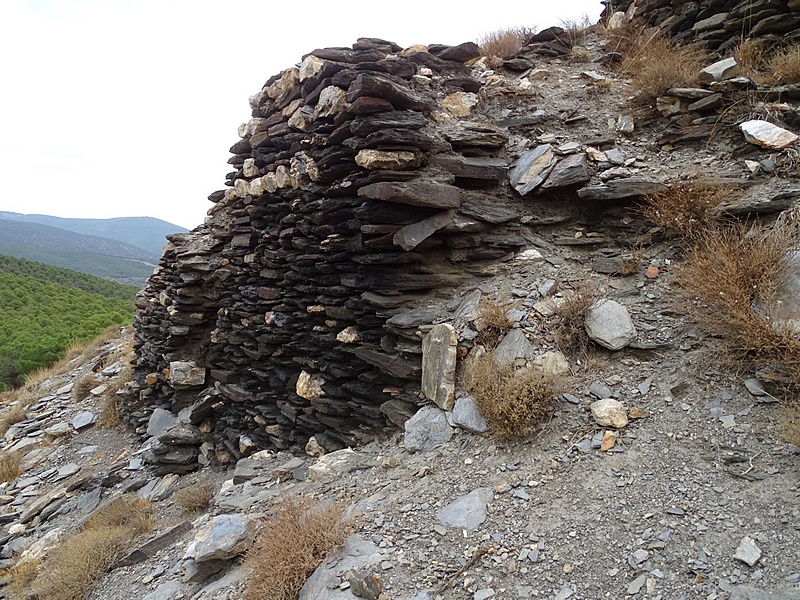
(354, 195)
(718, 24)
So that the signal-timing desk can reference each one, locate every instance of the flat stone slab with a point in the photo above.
(356, 554)
(622, 188)
(467, 512)
(439, 365)
(83, 420)
(223, 538)
(513, 346)
(532, 168)
(467, 415)
(427, 429)
(744, 592)
(765, 134)
(160, 421)
(415, 193)
(411, 236)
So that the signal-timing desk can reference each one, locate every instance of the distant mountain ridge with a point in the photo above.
(146, 233)
(94, 255)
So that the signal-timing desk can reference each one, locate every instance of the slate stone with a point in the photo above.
(439, 358)
(427, 429)
(573, 170)
(168, 590)
(467, 512)
(467, 415)
(160, 420)
(722, 69)
(461, 53)
(514, 345)
(411, 236)
(532, 168)
(415, 193)
(357, 553)
(609, 324)
(622, 188)
(222, 538)
(184, 374)
(83, 420)
(744, 592)
(333, 464)
(765, 134)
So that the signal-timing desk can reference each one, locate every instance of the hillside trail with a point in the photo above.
(696, 498)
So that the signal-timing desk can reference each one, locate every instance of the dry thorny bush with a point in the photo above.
(512, 402)
(291, 545)
(688, 209)
(74, 568)
(9, 466)
(729, 283)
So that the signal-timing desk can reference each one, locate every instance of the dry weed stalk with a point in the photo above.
(18, 578)
(686, 209)
(751, 56)
(576, 29)
(504, 43)
(512, 402)
(195, 497)
(291, 545)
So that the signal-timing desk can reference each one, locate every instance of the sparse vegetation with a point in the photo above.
(82, 387)
(291, 546)
(654, 62)
(729, 282)
(12, 416)
(492, 322)
(512, 402)
(73, 569)
(576, 29)
(9, 466)
(791, 423)
(686, 209)
(18, 578)
(505, 43)
(783, 66)
(195, 497)
(751, 56)
(569, 331)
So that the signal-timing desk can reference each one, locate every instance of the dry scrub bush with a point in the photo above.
(512, 402)
(75, 567)
(569, 330)
(9, 466)
(195, 497)
(11, 417)
(291, 545)
(492, 322)
(18, 578)
(751, 56)
(728, 283)
(655, 63)
(689, 208)
(504, 43)
(576, 29)
(783, 66)
(82, 387)
(791, 423)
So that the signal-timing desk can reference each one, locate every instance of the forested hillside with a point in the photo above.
(44, 309)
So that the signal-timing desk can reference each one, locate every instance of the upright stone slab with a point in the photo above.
(439, 365)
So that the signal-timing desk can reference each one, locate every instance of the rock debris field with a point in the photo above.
(657, 474)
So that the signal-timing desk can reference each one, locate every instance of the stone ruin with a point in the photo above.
(367, 181)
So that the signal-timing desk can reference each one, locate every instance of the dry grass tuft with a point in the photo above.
(729, 282)
(18, 578)
(512, 402)
(82, 387)
(570, 331)
(74, 568)
(751, 56)
(687, 209)
(504, 43)
(291, 546)
(783, 66)
(195, 497)
(655, 63)
(492, 322)
(109, 416)
(11, 417)
(576, 29)
(9, 466)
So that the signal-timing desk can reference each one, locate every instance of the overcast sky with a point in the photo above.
(113, 108)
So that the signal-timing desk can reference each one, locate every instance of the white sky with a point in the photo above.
(113, 108)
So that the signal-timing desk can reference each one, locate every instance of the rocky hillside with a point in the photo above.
(318, 337)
